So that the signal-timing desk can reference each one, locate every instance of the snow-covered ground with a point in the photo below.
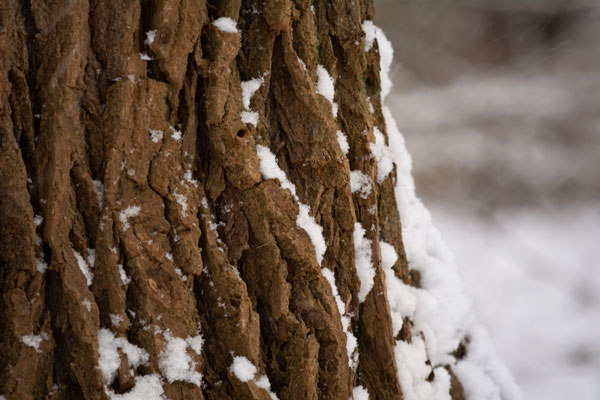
(534, 278)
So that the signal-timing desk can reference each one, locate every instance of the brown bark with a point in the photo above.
(77, 106)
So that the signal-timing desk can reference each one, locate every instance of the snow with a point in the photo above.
(245, 371)
(176, 364)
(343, 142)
(270, 170)
(125, 279)
(402, 298)
(383, 154)
(360, 393)
(87, 304)
(99, 192)
(147, 387)
(150, 36)
(225, 24)
(182, 201)
(109, 359)
(314, 230)
(40, 265)
(115, 319)
(363, 260)
(84, 267)
(360, 182)
(145, 57)
(248, 89)
(326, 87)
(176, 134)
(34, 340)
(351, 342)
(370, 33)
(129, 212)
(156, 135)
(38, 220)
(442, 312)
(413, 373)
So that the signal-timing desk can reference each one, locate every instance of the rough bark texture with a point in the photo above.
(77, 107)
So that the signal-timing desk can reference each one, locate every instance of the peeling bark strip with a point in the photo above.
(201, 200)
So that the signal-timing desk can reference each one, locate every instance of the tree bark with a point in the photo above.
(128, 156)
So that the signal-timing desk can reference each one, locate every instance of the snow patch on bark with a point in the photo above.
(84, 267)
(174, 361)
(360, 393)
(361, 183)
(225, 24)
(34, 340)
(326, 88)
(363, 256)
(343, 142)
(248, 89)
(129, 212)
(245, 371)
(147, 387)
(109, 358)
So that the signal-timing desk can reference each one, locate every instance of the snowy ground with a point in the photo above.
(508, 161)
(534, 279)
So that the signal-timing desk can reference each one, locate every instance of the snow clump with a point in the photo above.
(225, 24)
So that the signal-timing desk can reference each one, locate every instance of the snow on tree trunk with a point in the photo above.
(204, 200)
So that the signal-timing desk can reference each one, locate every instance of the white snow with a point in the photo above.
(270, 170)
(38, 220)
(40, 264)
(360, 182)
(326, 88)
(314, 230)
(115, 319)
(144, 56)
(84, 267)
(150, 36)
(351, 342)
(176, 364)
(182, 201)
(370, 32)
(176, 134)
(109, 359)
(413, 372)
(343, 142)
(125, 279)
(225, 24)
(87, 304)
(34, 340)
(383, 154)
(442, 312)
(248, 89)
(156, 135)
(147, 387)
(99, 192)
(363, 259)
(360, 393)
(129, 212)
(245, 371)
(402, 298)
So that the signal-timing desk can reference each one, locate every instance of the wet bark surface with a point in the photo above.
(143, 170)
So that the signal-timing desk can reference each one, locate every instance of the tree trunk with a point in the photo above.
(178, 217)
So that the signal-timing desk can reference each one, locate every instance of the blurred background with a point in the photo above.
(499, 103)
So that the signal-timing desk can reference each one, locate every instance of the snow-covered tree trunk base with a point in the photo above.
(204, 200)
